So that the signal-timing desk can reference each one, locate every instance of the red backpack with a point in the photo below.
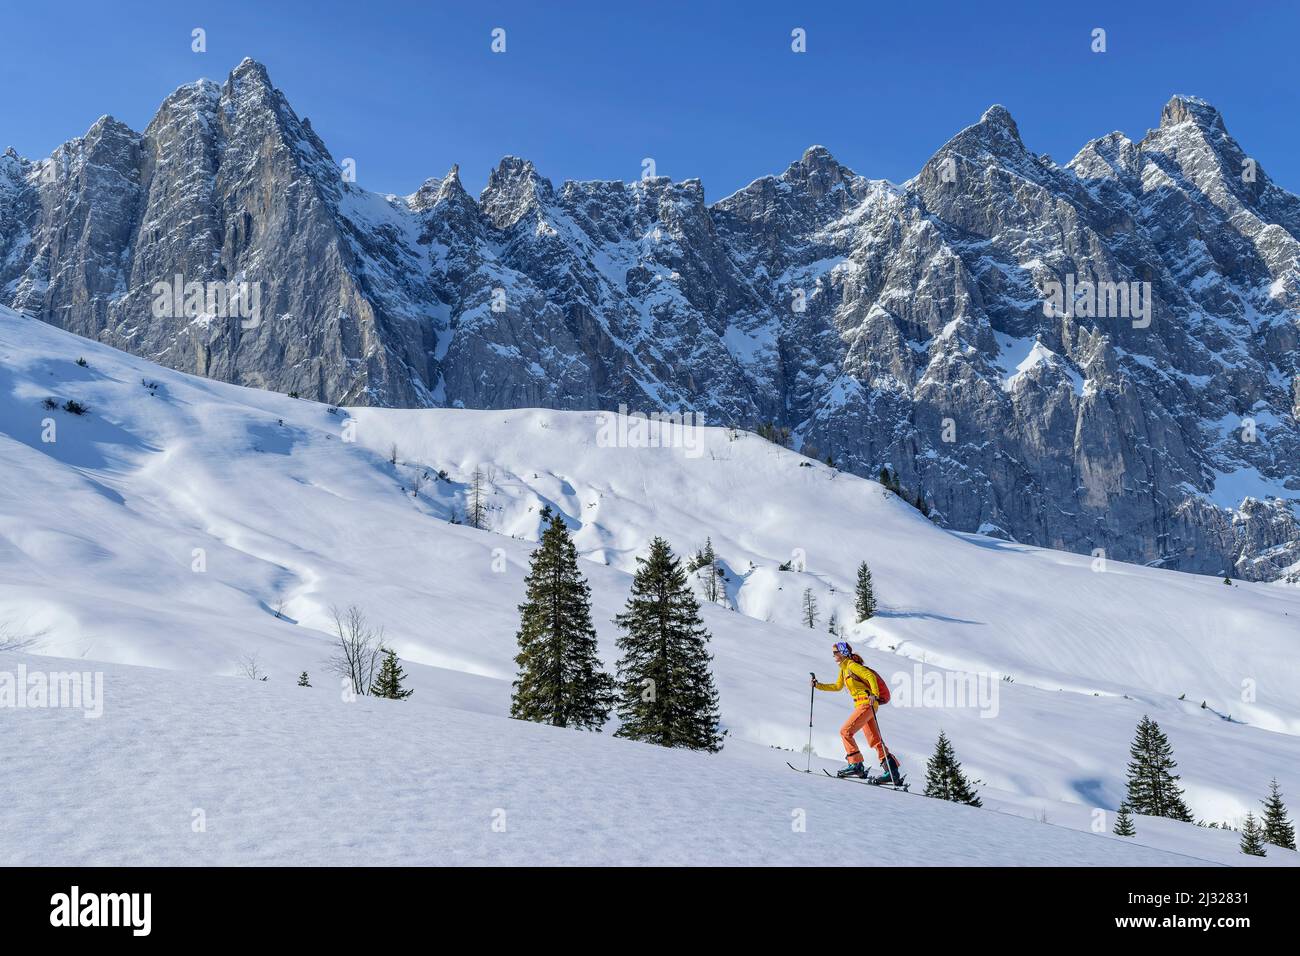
(883, 696)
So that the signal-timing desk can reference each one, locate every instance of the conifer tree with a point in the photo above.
(706, 561)
(944, 779)
(560, 679)
(866, 596)
(1152, 785)
(388, 682)
(664, 676)
(1124, 822)
(1278, 830)
(303, 681)
(833, 624)
(1252, 837)
(809, 604)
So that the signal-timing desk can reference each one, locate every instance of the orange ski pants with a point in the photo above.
(863, 719)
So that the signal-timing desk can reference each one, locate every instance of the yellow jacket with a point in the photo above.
(860, 681)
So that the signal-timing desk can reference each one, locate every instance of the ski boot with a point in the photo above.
(858, 770)
(890, 774)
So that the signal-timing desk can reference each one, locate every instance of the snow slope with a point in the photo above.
(166, 526)
(273, 773)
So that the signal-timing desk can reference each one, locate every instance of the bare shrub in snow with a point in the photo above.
(360, 647)
(249, 666)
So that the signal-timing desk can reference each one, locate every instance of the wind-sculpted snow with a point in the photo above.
(191, 525)
(871, 319)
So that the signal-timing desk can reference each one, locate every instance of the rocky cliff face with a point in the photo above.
(1101, 355)
(225, 185)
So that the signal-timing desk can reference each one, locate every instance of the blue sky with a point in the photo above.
(711, 90)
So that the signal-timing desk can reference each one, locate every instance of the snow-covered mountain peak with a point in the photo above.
(251, 101)
(999, 117)
(514, 189)
(993, 141)
(817, 160)
(437, 190)
(252, 71)
(834, 305)
(818, 172)
(426, 195)
(1191, 109)
(996, 133)
(1111, 156)
(195, 94)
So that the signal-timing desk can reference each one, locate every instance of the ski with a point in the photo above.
(869, 781)
(838, 777)
(796, 769)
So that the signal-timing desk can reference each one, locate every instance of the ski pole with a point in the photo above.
(812, 695)
(875, 707)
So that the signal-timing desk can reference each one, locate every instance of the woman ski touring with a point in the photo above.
(868, 691)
